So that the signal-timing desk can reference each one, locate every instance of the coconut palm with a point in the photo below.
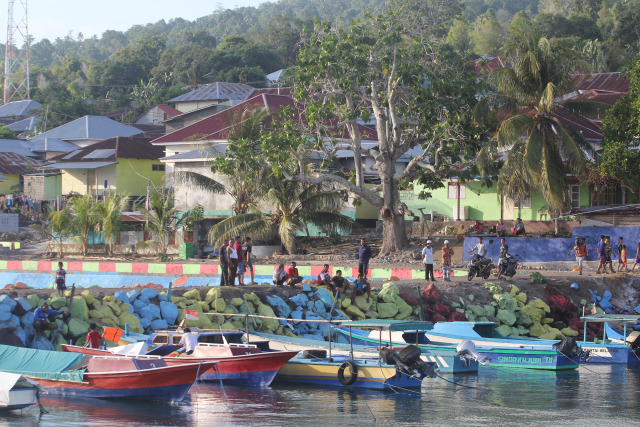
(109, 213)
(58, 228)
(161, 217)
(84, 219)
(540, 148)
(294, 206)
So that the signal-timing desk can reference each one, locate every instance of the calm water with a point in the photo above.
(601, 395)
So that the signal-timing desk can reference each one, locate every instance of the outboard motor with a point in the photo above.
(408, 361)
(633, 342)
(467, 351)
(570, 349)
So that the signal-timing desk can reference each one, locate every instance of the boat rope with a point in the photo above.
(395, 388)
(42, 410)
(579, 364)
(221, 385)
(456, 383)
(197, 378)
(374, 417)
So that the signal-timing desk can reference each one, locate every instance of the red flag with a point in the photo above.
(190, 314)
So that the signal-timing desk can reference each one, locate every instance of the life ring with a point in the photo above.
(354, 373)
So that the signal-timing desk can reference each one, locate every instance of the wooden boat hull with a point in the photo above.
(256, 370)
(170, 383)
(371, 375)
(547, 359)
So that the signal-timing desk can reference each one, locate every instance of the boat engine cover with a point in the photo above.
(570, 349)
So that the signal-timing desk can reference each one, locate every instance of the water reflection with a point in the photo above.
(597, 394)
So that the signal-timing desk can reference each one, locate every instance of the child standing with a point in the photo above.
(608, 251)
(620, 245)
(637, 258)
(60, 279)
(447, 252)
(623, 259)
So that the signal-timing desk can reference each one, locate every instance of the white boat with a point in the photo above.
(17, 392)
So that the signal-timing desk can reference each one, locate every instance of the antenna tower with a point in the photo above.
(16, 60)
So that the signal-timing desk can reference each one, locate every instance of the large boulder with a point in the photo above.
(21, 307)
(7, 300)
(523, 320)
(538, 303)
(159, 324)
(78, 327)
(569, 332)
(203, 322)
(387, 310)
(490, 311)
(169, 312)
(148, 293)
(404, 309)
(132, 295)
(151, 312)
(354, 311)
(299, 300)
(504, 330)
(228, 326)
(138, 305)
(362, 303)
(236, 302)
(57, 303)
(476, 310)
(79, 309)
(132, 320)
(536, 330)
(319, 308)
(410, 298)
(506, 317)
(280, 306)
(268, 325)
(345, 303)
(389, 288)
(534, 313)
(218, 305)
(114, 307)
(5, 312)
(505, 302)
(325, 296)
(253, 298)
(33, 300)
(27, 320)
(192, 294)
(122, 296)
(39, 342)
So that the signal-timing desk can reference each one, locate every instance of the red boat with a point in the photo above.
(122, 377)
(240, 364)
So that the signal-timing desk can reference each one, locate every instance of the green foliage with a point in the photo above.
(109, 212)
(189, 219)
(84, 218)
(59, 228)
(538, 277)
(6, 133)
(161, 217)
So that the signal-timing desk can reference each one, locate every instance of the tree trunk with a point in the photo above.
(394, 233)
(61, 247)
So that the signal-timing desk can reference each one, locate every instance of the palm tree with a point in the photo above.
(294, 206)
(59, 227)
(161, 217)
(84, 219)
(109, 213)
(540, 148)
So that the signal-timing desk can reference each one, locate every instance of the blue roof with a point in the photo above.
(52, 145)
(90, 127)
(24, 124)
(18, 108)
(16, 146)
(218, 91)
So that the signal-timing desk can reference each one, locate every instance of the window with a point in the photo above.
(161, 339)
(523, 203)
(604, 197)
(453, 190)
(157, 168)
(176, 339)
(574, 196)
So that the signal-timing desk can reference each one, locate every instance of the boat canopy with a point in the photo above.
(606, 318)
(384, 324)
(39, 363)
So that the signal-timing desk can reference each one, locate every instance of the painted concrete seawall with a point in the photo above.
(40, 274)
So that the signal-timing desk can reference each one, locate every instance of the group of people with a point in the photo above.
(518, 229)
(235, 260)
(427, 259)
(606, 253)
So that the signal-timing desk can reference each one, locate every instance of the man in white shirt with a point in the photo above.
(427, 259)
(280, 276)
(189, 341)
(480, 247)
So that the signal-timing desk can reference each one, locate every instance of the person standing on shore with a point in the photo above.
(427, 259)
(364, 254)
(224, 263)
(637, 257)
(248, 258)
(608, 252)
(61, 276)
(623, 259)
(447, 253)
(601, 255)
(232, 256)
(238, 247)
(581, 254)
(620, 247)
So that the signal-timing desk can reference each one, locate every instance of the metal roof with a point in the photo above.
(46, 145)
(13, 163)
(217, 91)
(25, 124)
(16, 146)
(79, 165)
(90, 127)
(101, 154)
(610, 82)
(205, 153)
(18, 108)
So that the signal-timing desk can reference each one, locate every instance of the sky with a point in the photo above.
(57, 18)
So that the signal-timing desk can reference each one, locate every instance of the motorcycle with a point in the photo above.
(480, 266)
(507, 266)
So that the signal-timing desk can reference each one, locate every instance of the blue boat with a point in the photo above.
(484, 334)
(543, 357)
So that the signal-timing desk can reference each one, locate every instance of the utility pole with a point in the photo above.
(16, 59)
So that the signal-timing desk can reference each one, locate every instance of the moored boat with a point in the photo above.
(102, 377)
(16, 392)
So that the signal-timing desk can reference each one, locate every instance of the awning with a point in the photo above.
(79, 165)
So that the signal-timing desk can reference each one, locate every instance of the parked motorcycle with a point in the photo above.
(480, 266)
(507, 266)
